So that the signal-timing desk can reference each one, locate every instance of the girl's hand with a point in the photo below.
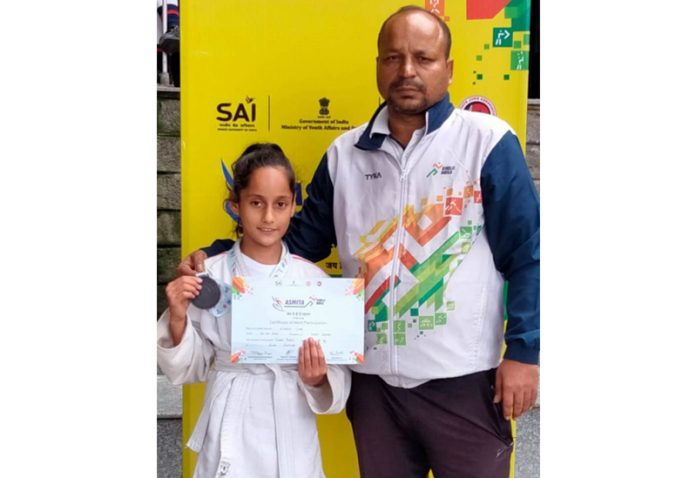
(311, 364)
(180, 293)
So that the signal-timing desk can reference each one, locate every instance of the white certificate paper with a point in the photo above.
(271, 318)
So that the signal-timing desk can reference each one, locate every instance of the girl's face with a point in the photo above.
(265, 207)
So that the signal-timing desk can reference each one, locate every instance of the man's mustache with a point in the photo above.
(407, 83)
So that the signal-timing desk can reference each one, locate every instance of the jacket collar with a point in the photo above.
(373, 136)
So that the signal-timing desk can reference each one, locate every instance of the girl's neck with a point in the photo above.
(263, 254)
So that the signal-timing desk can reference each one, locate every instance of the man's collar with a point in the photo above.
(380, 125)
(378, 128)
(438, 113)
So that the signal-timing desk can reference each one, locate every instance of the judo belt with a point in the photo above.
(237, 394)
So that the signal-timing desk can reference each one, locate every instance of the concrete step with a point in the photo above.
(168, 429)
(168, 398)
(169, 435)
(169, 448)
(527, 445)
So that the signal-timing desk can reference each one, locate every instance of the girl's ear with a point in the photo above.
(233, 205)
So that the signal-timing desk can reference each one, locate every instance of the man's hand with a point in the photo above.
(311, 363)
(191, 264)
(516, 384)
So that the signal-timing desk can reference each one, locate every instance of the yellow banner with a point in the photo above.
(298, 73)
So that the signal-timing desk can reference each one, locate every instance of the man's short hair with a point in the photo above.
(412, 8)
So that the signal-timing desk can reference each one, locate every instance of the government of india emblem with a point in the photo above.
(324, 103)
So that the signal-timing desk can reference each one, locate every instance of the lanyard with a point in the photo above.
(216, 296)
(237, 264)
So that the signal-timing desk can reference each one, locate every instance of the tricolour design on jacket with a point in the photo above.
(411, 222)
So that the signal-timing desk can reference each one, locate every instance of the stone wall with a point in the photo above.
(169, 182)
(168, 191)
(533, 142)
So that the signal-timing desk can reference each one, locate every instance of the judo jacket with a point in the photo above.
(257, 420)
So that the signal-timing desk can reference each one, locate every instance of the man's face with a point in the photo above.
(413, 72)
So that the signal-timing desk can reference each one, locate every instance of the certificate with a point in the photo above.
(271, 318)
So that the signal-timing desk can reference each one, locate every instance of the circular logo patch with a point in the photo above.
(480, 104)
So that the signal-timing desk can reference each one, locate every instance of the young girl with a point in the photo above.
(257, 420)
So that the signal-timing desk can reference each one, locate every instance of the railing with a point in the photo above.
(166, 11)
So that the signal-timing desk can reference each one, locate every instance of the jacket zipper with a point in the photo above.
(402, 165)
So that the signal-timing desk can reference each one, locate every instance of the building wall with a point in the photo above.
(168, 191)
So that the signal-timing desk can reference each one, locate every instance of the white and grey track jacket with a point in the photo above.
(435, 229)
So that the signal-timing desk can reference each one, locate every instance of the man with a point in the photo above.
(435, 208)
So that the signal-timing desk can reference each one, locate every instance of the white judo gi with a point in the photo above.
(257, 420)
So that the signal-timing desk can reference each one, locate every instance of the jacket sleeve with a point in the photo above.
(312, 234)
(218, 246)
(190, 360)
(331, 397)
(511, 210)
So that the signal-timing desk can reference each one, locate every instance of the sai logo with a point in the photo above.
(245, 111)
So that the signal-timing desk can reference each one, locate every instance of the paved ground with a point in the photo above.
(169, 436)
